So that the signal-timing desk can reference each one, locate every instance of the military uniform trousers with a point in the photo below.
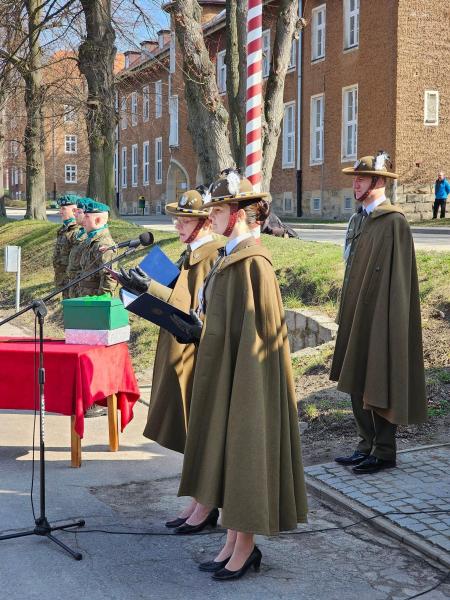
(377, 435)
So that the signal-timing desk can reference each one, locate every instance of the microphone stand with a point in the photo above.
(42, 525)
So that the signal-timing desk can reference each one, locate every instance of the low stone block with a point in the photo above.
(300, 320)
(312, 325)
(290, 319)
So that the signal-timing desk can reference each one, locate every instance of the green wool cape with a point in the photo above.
(243, 450)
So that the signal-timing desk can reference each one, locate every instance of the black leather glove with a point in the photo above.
(191, 331)
(135, 281)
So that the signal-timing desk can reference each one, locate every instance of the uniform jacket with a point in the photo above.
(91, 257)
(379, 343)
(243, 446)
(73, 267)
(173, 370)
(65, 238)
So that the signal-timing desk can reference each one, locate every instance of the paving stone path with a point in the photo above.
(419, 484)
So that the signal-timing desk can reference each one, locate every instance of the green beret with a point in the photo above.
(67, 200)
(81, 203)
(92, 206)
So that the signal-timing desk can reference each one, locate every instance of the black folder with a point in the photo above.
(157, 311)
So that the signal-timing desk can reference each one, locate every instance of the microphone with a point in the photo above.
(145, 239)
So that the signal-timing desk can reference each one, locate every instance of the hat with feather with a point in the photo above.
(190, 204)
(232, 188)
(373, 166)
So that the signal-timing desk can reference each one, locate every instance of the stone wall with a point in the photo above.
(308, 328)
(416, 201)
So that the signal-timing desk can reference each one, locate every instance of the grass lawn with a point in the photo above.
(310, 273)
(432, 223)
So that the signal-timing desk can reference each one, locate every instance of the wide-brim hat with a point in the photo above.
(232, 188)
(190, 204)
(373, 166)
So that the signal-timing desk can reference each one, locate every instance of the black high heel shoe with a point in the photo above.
(211, 520)
(176, 522)
(212, 566)
(254, 560)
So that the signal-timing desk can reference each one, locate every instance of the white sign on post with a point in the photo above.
(12, 265)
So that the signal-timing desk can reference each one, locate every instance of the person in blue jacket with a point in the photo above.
(441, 192)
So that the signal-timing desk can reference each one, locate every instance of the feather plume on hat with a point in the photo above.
(380, 161)
(234, 182)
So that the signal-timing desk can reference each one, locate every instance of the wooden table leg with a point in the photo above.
(75, 444)
(113, 423)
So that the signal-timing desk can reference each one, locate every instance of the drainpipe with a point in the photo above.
(299, 116)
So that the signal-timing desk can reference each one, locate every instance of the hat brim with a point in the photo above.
(354, 172)
(174, 210)
(241, 198)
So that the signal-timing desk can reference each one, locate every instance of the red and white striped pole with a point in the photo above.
(254, 93)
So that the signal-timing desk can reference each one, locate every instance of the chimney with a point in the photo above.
(131, 57)
(148, 46)
(210, 9)
(163, 37)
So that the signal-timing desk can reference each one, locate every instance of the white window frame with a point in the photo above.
(318, 32)
(16, 175)
(124, 167)
(313, 208)
(146, 163)
(158, 160)
(346, 156)
(288, 196)
(69, 113)
(123, 113)
(351, 16)
(134, 109)
(317, 129)
(288, 161)
(427, 121)
(134, 165)
(350, 208)
(70, 173)
(116, 168)
(173, 122)
(266, 57)
(293, 56)
(145, 103)
(158, 99)
(221, 74)
(70, 144)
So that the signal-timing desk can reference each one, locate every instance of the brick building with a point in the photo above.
(371, 75)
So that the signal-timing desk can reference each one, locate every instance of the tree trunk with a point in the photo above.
(2, 152)
(287, 27)
(34, 130)
(207, 116)
(236, 18)
(96, 61)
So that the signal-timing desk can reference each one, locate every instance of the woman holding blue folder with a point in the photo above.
(242, 451)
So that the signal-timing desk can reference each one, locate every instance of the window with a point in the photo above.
(123, 110)
(351, 23)
(158, 160)
(68, 113)
(145, 103)
(431, 108)
(349, 204)
(70, 173)
(316, 205)
(173, 116)
(349, 122)
(266, 53)
(316, 134)
(289, 135)
(70, 144)
(293, 56)
(116, 169)
(221, 72)
(158, 99)
(124, 167)
(287, 202)
(134, 117)
(318, 32)
(134, 165)
(116, 101)
(172, 52)
(145, 163)
(16, 176)
(14, 148)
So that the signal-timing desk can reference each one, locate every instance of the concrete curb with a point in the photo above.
(343, 226)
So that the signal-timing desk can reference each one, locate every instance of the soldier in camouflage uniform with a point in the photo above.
(73, 267)
(95, 223)
(64, 240)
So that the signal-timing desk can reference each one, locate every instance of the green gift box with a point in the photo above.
(94, 312)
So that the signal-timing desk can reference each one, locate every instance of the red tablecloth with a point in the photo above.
(76, 377)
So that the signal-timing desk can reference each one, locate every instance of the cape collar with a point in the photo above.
(386, 208)
(204, 251)
(246, 249)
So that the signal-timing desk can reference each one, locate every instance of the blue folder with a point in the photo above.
(159, 267)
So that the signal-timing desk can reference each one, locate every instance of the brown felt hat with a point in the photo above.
(374, 166)
(190, 204)
(232, 188)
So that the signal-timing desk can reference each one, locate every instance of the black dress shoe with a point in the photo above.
(176, 522)
(211, 520)
(354, 459)
(212, 566)
(373, 464)
(254, 560)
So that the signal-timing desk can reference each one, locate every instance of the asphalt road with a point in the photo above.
(436, 239)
